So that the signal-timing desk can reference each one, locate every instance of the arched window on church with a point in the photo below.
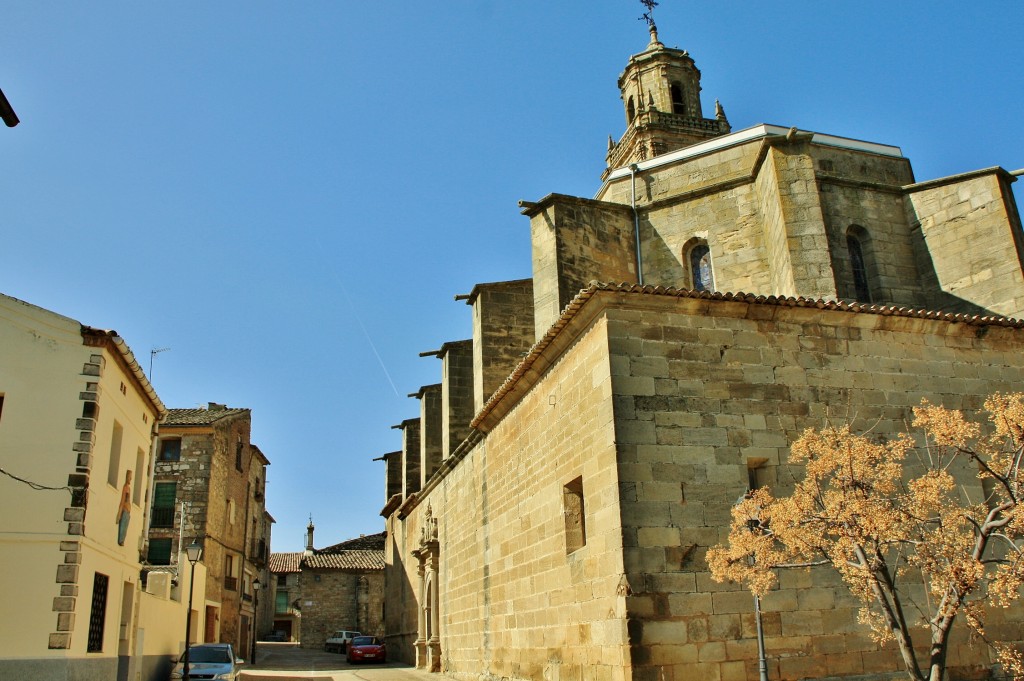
(630, 110)
(678, 105)
(698, 259)
(855, 238)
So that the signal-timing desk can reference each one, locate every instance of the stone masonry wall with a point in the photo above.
(575, 241)
(705, 388)
(215, 496)
(430, 431)
(401, 587)
(969, 226)
(411, 464)
(456, 394)
(864, 189)
(226, 522)
(502, 333)
(789, 170)
(336, 599)
(513, 603)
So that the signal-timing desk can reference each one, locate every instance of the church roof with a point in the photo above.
(368, 542)
(346, 560)
(285, 562)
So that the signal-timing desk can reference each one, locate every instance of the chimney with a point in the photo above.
(213, 406)
(309, 537)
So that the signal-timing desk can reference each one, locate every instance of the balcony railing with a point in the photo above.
(258, 552)
(231, 583)
(163, 517)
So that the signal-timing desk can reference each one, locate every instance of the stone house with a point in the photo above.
(77, 425)
(286, 575)
(210, 484)
(337, 587)
(774, 277)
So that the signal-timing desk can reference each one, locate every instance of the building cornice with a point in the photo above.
(93, 337)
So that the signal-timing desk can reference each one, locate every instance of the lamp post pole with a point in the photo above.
(754, 525)
(194, 553)
(762, 661)
(255, 614)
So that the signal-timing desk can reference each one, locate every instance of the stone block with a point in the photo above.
(66, 621)
(67, 574)
(844, 664)
(802, 668)
(63, 604)
(60, 641)
(712, 651)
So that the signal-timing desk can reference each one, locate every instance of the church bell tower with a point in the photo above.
(661, 93)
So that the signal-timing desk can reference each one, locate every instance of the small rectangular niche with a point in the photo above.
(575, 516)
(757, 474)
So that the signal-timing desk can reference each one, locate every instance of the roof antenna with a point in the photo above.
(153, 353)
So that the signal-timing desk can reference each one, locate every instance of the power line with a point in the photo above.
(37, 486)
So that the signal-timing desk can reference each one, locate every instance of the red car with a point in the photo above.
(366, 649)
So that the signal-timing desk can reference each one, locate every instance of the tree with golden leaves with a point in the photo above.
(890, 517)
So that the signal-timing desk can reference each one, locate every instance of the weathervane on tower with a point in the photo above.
(649, 14)
(648, 17)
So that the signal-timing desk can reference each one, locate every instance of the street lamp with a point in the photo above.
(255, 614)
(194, 553)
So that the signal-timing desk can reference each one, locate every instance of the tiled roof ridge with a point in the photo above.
(285, 562)
(595, 287)
(201, 415)
(355, 559)
(789, 301)
(369, 542)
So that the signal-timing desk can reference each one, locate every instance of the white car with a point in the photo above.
(209, 661)
(339, 640)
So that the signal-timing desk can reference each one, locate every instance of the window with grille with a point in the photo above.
(98, 614)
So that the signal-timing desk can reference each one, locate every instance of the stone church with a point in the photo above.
(550, 510)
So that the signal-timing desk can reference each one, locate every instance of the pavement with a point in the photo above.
(285, 661)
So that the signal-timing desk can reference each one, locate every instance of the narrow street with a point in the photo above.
(283, 661)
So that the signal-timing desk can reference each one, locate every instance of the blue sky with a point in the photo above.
(289, 195)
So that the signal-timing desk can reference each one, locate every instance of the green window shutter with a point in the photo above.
(159, 552)
(163, 494)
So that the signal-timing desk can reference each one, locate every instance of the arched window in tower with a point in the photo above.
(678, 105)
(698, 258)
(858, 266)
(630, 110)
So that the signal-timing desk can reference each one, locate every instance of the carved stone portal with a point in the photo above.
(428, 639)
